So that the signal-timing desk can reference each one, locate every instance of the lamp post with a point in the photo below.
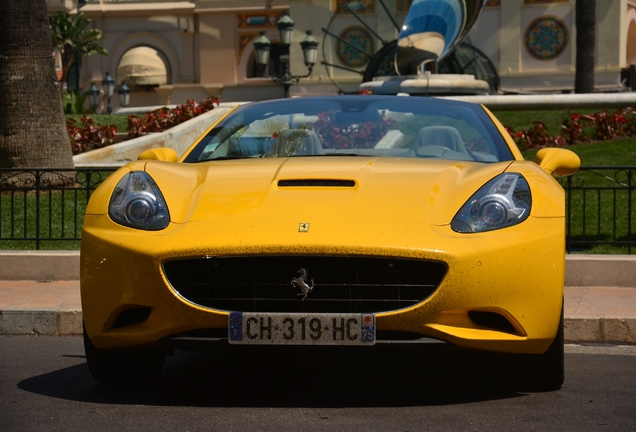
(124, 94)
(309, 46)
(108, 84)
(93, 97)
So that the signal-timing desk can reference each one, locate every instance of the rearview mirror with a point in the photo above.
(159, 154)
(558, 162)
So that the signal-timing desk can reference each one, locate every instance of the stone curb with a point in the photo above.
(40, 322)
(620, 331)
(608, 330)
(39, 265)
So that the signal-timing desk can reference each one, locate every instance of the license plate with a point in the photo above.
(301, 329)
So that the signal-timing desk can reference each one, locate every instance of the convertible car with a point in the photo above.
(345, 220)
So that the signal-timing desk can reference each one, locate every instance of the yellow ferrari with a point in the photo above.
(349, 220)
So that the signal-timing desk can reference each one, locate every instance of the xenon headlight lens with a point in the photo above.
(502, 202)
(137, 203)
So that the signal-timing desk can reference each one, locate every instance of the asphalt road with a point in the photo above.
(45, 386)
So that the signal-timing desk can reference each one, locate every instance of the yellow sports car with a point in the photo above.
(345, 220)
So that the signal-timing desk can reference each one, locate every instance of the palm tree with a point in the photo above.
(71, 35)
(32, 127)
(585, 45)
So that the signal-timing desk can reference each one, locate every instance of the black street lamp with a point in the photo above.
(108, 84)
(309, 46)
(93, 97)
(124, 94)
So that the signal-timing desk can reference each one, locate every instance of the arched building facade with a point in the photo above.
(206, 45)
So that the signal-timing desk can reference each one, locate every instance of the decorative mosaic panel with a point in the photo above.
(546, 37)
(244, 39)
(358, 37)
(264, 19)
(358, 6)
(529, 2)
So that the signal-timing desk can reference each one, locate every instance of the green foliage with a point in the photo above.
(164, 118)
(74, 39)
(73, 102)
(87, 136)
(578, 128)
(552, 119)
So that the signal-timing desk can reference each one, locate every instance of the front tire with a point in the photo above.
(546, 372)
(123, 366)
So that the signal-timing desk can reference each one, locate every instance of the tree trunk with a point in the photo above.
(585, 45)
(32, 126)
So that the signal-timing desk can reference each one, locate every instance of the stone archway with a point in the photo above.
(143, 67)
(150, 40)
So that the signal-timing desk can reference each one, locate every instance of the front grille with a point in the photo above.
(341, 284)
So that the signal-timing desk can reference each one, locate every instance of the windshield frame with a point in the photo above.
(472, 114)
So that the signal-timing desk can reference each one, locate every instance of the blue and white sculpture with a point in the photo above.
(432, 28)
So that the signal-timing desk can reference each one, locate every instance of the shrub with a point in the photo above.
(87, 136)
(601, 126)
(164, 118)
(73, 102)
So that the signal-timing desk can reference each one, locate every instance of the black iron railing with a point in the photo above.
(44, 209)
(601, 209)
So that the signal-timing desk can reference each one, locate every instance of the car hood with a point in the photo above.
(391, 190)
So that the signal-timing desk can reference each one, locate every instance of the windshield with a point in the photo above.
(355, 126)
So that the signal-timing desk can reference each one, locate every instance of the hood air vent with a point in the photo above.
(316, 183)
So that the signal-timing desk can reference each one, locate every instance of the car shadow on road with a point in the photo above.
(284, 377)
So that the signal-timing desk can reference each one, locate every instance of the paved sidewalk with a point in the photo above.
(592, 314)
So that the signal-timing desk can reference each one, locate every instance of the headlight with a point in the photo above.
(137, 203)
(502, 202)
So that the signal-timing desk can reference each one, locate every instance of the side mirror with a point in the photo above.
(159, 154)
(558, 162)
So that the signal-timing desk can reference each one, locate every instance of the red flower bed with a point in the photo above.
(601, 126)
(164, 118)
(87, 136)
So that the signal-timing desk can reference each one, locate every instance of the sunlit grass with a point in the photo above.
(61, 214)
(600, 216)
(553, 119)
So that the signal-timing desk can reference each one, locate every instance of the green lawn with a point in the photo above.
(601, 215)
(61, 215)
(609, 153)
(553, 119)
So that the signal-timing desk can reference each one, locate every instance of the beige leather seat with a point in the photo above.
(445, 136)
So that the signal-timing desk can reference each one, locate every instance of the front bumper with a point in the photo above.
(516, 273)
